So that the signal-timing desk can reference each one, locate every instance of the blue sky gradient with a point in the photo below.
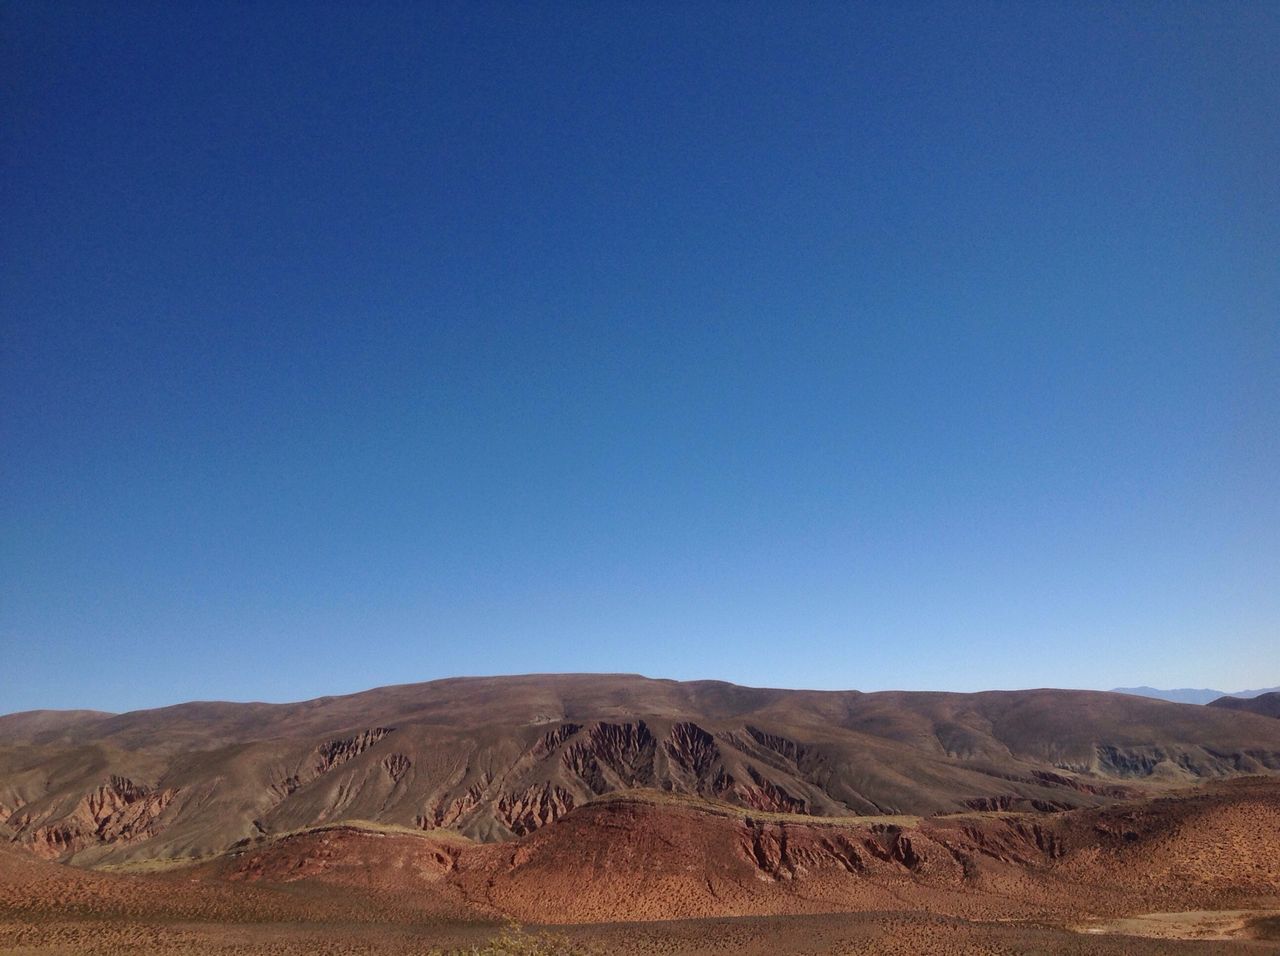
(871, 345)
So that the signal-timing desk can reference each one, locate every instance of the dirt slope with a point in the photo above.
(635, 859)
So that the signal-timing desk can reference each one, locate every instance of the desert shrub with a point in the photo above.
(515, 941)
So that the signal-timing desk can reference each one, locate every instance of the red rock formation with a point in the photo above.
(445, 812)
(286, 787)
(335, 752)
(613, 756)
(767, 796)
(581, 761)
(693, 749)
(626, 749)
(118, 811)
(1081, 786)
(396, 766)
(1004, 801)
(553, 739)
(787, 749)
(7, 812)
(527, 811)
(890, 843)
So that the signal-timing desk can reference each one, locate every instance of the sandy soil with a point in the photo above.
(1192, 924)
(875, 933)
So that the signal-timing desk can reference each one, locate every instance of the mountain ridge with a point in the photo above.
(495, 758)
(1190, 695)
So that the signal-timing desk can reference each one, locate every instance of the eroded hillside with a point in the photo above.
(499, 758)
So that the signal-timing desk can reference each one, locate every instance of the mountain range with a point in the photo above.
(1191, 695)
(644, 816)
(492, 759)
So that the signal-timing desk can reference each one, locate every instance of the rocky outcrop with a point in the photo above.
(767, 847)
(580, 761)
(1043, 838)
(333, 753)
(625, 749)
(613, 757)
(535, 807)
(1003, 801)
(285, 788)
(784, 852)
(790, 751)
(332, 850)
(396, 766)
(1204, 761)
(693, 750)
(1000, 802)
(552, 740)
(1015, 840)
(890, 843)
(9, 810)
(446, 811)
(118, 811)
(763, 794)
(823, 852)
(1129, 762)
(1051, 779)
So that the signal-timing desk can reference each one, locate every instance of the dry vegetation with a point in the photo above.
(517, 941)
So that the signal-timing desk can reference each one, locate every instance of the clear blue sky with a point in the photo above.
(863, 345)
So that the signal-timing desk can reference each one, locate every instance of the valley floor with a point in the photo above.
(844, 933)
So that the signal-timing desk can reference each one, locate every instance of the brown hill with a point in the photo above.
(637, 858)
(648, 872)
(1268, 705)
(647, 856)
(495, 758)
(35, 725)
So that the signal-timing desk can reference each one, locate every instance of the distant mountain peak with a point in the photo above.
(1191, 695)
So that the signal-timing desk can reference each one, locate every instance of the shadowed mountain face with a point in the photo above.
(496, 758)
(1267, 705)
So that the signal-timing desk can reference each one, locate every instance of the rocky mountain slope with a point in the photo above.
(499, 758)
(649, 856)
